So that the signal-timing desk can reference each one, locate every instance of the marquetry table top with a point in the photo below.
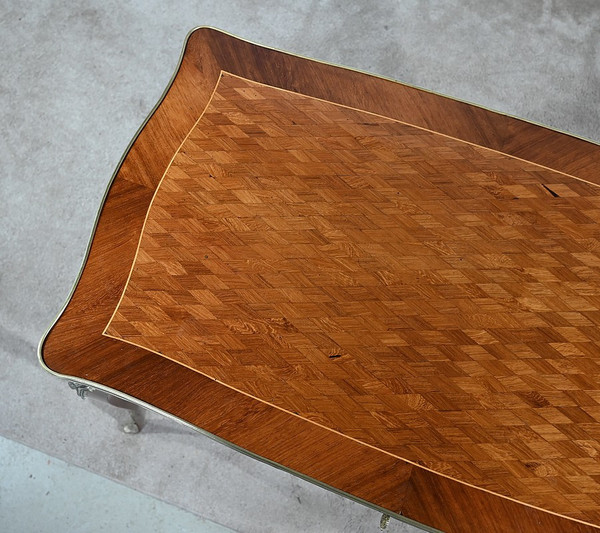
(294, 256)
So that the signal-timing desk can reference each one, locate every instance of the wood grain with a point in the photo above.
(421, 295)
(76, 346)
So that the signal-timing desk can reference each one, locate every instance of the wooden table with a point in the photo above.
(388, 291)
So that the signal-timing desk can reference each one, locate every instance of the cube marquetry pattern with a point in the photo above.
(428, 297)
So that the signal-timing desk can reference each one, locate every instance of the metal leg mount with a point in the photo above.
(135, 420)
(385, 520)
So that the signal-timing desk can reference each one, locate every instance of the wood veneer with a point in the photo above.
(524, 369)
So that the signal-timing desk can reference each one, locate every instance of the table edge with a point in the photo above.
(146, 405)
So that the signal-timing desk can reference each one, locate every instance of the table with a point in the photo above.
(381, 289)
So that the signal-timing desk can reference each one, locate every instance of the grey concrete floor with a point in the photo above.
(77, 78)
(72, 500)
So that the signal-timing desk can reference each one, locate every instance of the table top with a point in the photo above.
(326, 268)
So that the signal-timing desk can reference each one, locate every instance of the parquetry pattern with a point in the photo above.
(431, 298)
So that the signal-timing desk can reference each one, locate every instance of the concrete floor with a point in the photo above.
(76, 80)
(72, 500)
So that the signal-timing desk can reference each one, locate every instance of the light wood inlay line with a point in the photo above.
(425, 296)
